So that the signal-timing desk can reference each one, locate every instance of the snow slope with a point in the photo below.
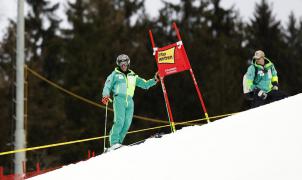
(260, 144)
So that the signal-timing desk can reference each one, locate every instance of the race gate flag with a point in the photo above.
(172, 59)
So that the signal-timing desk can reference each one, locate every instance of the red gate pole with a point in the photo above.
(194, 79)
(200, 96)
(177, 31)
(171, 121)
(151, 38)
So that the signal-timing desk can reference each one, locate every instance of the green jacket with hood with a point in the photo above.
(261, 77)
(122, 85)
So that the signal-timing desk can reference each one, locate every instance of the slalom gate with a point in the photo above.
(172, 59)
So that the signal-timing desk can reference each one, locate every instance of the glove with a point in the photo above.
(262, 95)
(156, 77)
(105, 100)
(275, 86)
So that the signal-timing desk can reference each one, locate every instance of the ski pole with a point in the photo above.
(106, 117)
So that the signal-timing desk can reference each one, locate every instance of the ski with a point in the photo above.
(157, 135)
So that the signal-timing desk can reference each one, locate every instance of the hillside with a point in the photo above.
(262, 143)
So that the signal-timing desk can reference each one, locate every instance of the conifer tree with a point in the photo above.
(7, 91)
(293, 55)
(264, 32)
(45, 103)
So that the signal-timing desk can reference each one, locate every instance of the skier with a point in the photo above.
(260, 83)
(122, 82)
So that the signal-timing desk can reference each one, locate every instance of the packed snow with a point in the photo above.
(258, 144)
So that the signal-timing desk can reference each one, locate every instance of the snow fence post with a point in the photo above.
(1, 172)
(38, 169)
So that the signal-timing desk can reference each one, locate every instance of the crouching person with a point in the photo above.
(260, 83)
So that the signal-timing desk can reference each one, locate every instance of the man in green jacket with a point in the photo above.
(122, 82)
(260, 82)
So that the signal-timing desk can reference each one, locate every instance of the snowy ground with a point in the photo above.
(259, 144)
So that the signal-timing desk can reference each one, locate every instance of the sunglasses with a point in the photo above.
(124, 62)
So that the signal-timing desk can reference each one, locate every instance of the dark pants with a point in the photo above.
(272, 96)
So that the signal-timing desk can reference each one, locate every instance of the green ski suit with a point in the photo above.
(264, 77)
(122, 87)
